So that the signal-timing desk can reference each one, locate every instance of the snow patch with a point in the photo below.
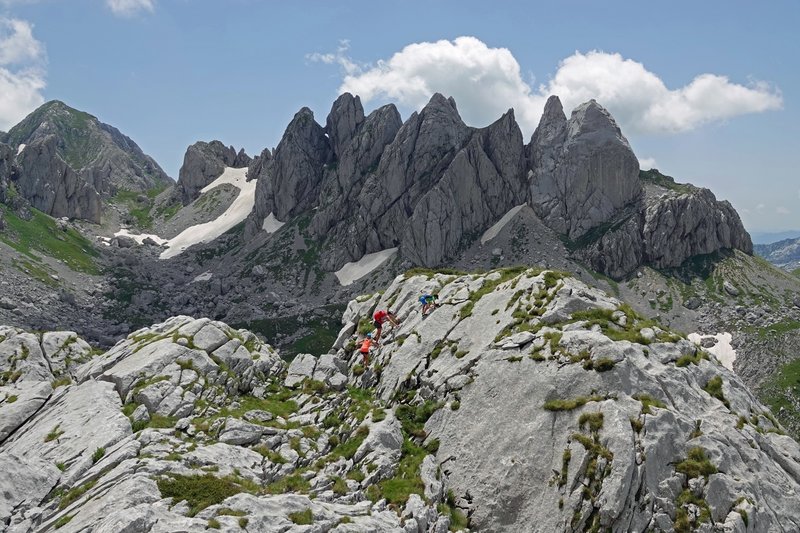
(492, 232)
(21, 148)
(205, 276)
(272, 224)
(722, 350)
(236, 213)
(358, 269)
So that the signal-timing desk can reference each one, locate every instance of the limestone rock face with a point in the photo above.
(6, 172)
(203, 163)
(67, 160)
(343, 121)
(52, 186)
(361, 144)
(667, 228)
(431, 185)
(584, 170)
(289, 182)
(483, 181)
(426, 185)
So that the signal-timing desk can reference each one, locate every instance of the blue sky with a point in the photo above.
(171, 72)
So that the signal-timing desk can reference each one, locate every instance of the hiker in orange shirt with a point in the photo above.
(365, 347)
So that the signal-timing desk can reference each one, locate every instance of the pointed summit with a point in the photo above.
(346, 115)
(590, 118)
(584, 170)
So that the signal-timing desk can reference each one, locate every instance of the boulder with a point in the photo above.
(301, 368)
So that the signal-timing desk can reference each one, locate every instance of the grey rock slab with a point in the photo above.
(21, 354)
(29, 399)
(151, 360)
(26, 480)
(72, 426)
(109, 508)
(730, 288)
(429, 475)
(228, 457)
(209, 338)
(302, 367)
(240, 432)
(62, 346)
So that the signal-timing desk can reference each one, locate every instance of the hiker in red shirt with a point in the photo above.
(380, 317)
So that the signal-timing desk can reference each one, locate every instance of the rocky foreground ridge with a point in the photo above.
(528, 401)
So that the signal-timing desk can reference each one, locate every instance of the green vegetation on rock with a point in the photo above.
(203, 490)
(40, 235)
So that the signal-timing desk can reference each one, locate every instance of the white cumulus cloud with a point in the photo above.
(646, 163)
(22, 76)
(782, 210)
(127, 8)
(486, 81)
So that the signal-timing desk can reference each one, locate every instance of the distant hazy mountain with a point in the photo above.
(773, 237)
(785, 253)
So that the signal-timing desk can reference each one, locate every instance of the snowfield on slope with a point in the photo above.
(492, 232)
(722, 350)
(272, 224)
(200, 233)
(356, 270)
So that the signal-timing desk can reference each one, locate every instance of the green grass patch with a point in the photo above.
(603, 364)
(714, 388)
(55, 433)
(202, 491)
(74, 494)
(696, 464)
(302, 518)
(98, 454)
(648, 402)
(668, 182)
(413, 418)
(571, 404)
(41, 235)
(593, 421)
(406, 480)
(62, 381)
(293, 483)
(430, 272)
(780, 392)
(691, 359)
(63, 521)
(348, 448)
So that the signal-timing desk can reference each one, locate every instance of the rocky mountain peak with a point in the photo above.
(89, 158)
(552, 124)
(584, 171)
(294, 174)
(203, 163)
(429, 185)
(345, 117)
(592, 121)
